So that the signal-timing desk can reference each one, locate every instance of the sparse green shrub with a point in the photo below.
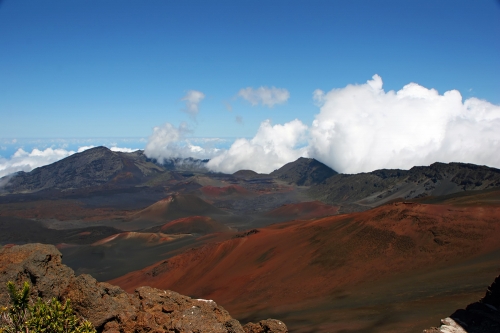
(13, 319)
(46, 317)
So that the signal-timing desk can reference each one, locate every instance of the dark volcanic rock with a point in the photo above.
(110, 308)
(479, 317)
(265, 326)
(304, 172)
(249, 175)
(93, 167)
(380, 186)
(492, 296)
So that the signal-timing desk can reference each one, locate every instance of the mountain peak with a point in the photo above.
(92, 167)
(304, 172)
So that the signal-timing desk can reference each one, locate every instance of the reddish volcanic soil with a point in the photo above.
(303, 210)
(194, 225)
(177, 206)
(213, 191)
(396, 268)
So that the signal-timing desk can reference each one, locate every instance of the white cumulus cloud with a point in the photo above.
(271, 147)
(193, 99)
(163, 142)
(264, 95)
(25, 161)
(168, 141)
(363, 128)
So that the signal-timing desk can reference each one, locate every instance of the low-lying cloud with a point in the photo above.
(168, 141)
(361, 128)
(25, 161)
(271, 147)
(264, 95)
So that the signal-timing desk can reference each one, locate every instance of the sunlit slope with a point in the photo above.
(291, 263)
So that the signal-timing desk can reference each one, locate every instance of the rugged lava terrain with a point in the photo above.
(108, 307)
(385, 251)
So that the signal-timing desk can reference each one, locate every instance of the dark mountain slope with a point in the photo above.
(304, 172)
(20, 231)
(93, 167)
(364, 190)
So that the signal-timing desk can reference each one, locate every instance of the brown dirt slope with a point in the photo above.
(284, 267)
(194, 225)
(177, 206)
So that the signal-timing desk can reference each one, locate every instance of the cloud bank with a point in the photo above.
(361, 128)
(271, 147)
(264, 95)
(193, 99)
(24, 161)
(168, 141)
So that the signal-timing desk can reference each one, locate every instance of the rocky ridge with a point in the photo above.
(109, 308)
(360, 191)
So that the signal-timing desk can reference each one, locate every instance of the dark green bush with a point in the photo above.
(25, 316)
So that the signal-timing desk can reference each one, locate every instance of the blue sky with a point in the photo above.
(107, 68)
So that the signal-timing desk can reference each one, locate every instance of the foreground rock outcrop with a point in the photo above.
(109, 307)
(479, 317)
